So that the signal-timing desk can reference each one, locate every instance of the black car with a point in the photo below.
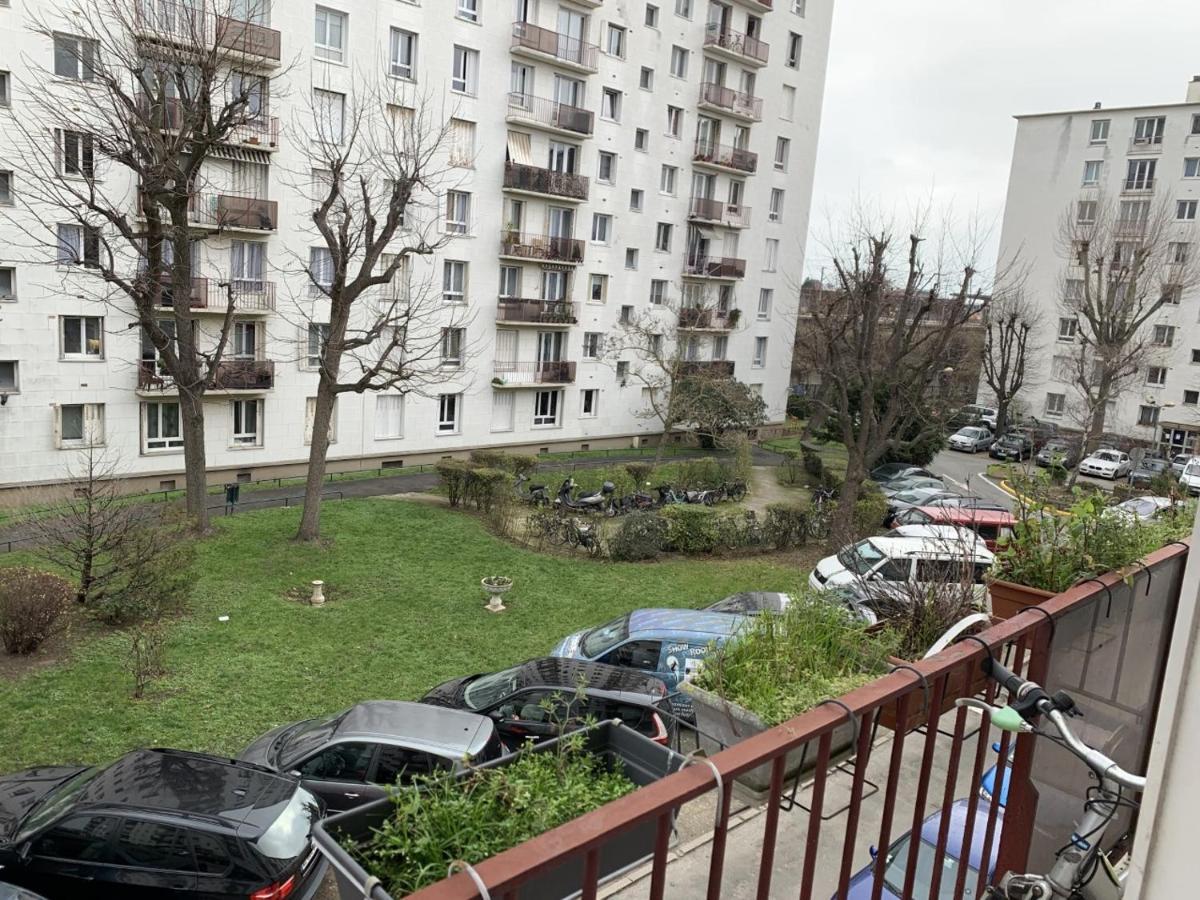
(1014, 445)
(1148, 469)
(159, 822)
(538, 699)
(348, 758)
(1058, 452)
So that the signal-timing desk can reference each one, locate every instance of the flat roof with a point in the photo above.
(1104, 109)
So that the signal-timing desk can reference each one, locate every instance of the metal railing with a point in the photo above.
(725, 155)
(562, 47)
(1152, 144)
(536, 312)
(716, 266)
(546, 372)
(736, 42)
(707, 319)
(249, 295)
(542, 247)
(1138, 185)
(231, 375)
(734, 215)
(727, 99)
(196, 26)
(548, 112)
(233, 211)
(518, 177)
(719, 367)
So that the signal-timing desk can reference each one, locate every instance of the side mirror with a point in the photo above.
(25, 852)
(295, 773)
(873, 851)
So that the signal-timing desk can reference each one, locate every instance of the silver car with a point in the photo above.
(971, 439)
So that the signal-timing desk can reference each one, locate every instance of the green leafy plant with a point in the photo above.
(786, 526)
(639, 536)
(691, 529)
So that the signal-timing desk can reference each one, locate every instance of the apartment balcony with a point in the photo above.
(715, 267)
(734, 103)
(1137, 186)
(731, 215)
(693, 318)
(717, 368)
(724, 157)
(533, 374)
(250, 297)
(540, 313)
(541, 248)
(1146, 144)
(545, 182)
(760, 5)
(259, 132)
(549, 115)
(551, 46)
(202, 30)
(737, 46)
(230, 212)
(233, 376)
(1130, 229)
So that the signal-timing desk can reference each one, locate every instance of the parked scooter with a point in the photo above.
(597, 501)
(535, 494)
(668, 495)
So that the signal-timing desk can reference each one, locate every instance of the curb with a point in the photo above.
(1003, 485)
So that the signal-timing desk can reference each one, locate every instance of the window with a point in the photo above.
(597, 288)
(78, 245)
(646, 79)
(772, 255)
(1149, 130)
(589, 403)
(683, 8)
(765, 298)
(1056, 404)
(545, 408)
(563, 157)
(760, 353)
(320, 268)
(404, 54)
(674, 121)
(631, 258)
(503, 406)
(318, 337)
(468, 10)
(464, 77)
(1195, 357)
(1185, 210)
(458, 212)
(74, 58)
(679, 61)
(452, 347)
(448, 411)
(76, 155)
(454, 281)
(662, 237)
(720, 347)
(80, 425)
(666, 180)
(5, 90)
(310, 415)
(342, 762)
(789, 103)
(775, 209)
(593, 344)
(610, 105)
(162, 426)
(783, 148)
(651, 15)
(1067, 329)
(6, 189)
(635, 199)
(607, 168)
(82, 337)
(1177, 252)
(1191, 167)
(330, 35)
(1139, 174)
(615, 41)
(1172, 294)
(1147, 415)
(8, 283)
(658, 292)
(1085, 211)
(626, 317)
(641, 140)
(330, 110)
(1156, 376)
(794, 44)
(601, 228)
(655, 344)
(798, 7)
(247, 423)
(1099, 132)
(1164, 335)
(510, 281)
(1191, 398)
(462, 143)
(1091, 171)
(622, 372)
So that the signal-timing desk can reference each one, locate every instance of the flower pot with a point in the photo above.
(1009, 598)
(494, 591)
(642, 761)
(959, 684)
(730, 723)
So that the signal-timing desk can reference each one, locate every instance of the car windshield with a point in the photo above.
(1154, 465)
(1105, 456)
(897, 868)
(1140, 507)
(1052, 447)
(860, 558)
(487, 690)
(57, 801)
(304, 737)
(287, 836)
(602, 639)
(970, 432)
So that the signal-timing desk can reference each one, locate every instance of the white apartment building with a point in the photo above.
(1064, 161)
(617, 155)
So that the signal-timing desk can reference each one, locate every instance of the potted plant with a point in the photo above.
(734, 316)
(495, 585)
(497, 381)
(408, 840)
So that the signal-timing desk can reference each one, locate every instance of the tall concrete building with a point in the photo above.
(616, 156)
(1142, 162)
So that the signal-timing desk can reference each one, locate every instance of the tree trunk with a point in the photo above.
(842, 526)
(1001, 416)
(195, 464)
(310, 520)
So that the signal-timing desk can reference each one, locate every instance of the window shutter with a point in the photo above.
(57, 426)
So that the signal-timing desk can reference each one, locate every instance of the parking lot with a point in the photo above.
(967, 472)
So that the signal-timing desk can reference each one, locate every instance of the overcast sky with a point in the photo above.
(920, 95)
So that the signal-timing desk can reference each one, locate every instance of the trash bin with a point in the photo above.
(231, 494)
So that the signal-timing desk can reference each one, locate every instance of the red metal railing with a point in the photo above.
(550, 113)
(727, 99)
(231, 375)
(195, 26)
(543, 247)
(537, 180)
(562, 47)
(539, 312)
(919, 691)
(716, 266)
(736, 42)
(706, 319)
(733, 214)
(724, 155)
(233, 211)
(534, 373)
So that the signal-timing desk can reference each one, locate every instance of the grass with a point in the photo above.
(407, 613)
(832, 453)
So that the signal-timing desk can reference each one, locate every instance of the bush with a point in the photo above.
(869, 512)
(483, 485)
(691, 529)
(453, 473)
(32, 604)
(785, 526)
(640, 473)
(154, 566)
(743, 457)
(515, 463)
(792, 469)
(640, 536)
(799, 407)
(706, 472)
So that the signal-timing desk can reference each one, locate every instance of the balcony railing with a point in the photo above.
(536, 312)
(249, 295)
(550, 113)
(1152, 144)
(537, 180)
(716, 266)
(691, 317)
(193, 26)
(542, 247)
(231, 211)
(1138, 185)
(256, 130)
(515, 374)
(723, 155)
(736, 103)
(561, 47)
(736, 42)
(731, 214)
(231, 375)
(722, 368)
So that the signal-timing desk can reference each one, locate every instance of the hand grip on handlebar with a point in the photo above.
(996, 670)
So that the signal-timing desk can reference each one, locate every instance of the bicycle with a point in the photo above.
(1081, 860)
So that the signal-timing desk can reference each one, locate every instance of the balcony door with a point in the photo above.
(736, 192)
(506, 348)
(245, 340)
(720, 18)
(714, 71)
(561, 222)
(568, 91)
(550, 346)
(247, 265)
(708, 132)
(525, 11)
(729, 247)
(554, 286)
(703, 186)
(572, 31)
(564, 158)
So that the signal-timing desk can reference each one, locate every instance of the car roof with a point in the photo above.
(955, 515)
(417, 723)
(561, 672)
(931, 827)
(898, 546)
(681, 622)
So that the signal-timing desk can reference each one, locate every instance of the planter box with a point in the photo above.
(642, 761)
(960, 684)
(730, 724)
(1009, 598)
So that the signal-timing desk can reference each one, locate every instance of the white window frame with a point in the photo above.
(771, 255)
(795, 49)
(593, 345)
(658, 291)
(455, 273)
(641, 140)
(10, 293)
(1056, 404)
(399, 66)
(637, 198)
(510, 281)
(679, 61)
(766, 299)
(1185, 210)
(5, 88)
(631, 259)
(683, 8)
(316, 337)
(615, 39)
(610, 104)
(664, 232)
(783, 149)
(606, 158)
(1098, 131)
(458, 212)
(310, 413)
(1068, 329)
(163, 443)
(589, 403)
(668, 180)
(6, 187)
(1093, 169)
(240, 436)
(1167, 333)
(464, 71)
(596, 279)
(1156, 376)
(385, 418)
(1191, 167)
(468, 11)
(83, 353)
(775, 205)
(453, 348)
(601, 228)
(91, 432)
(759, 361)
(652, 14)
(73, 57)
(547, 409)
(329, 109)
(449, 413)
(323, 47)
(646, 78)
(674, 122)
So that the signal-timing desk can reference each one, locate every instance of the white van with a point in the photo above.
(1189, 478)
(896, 561)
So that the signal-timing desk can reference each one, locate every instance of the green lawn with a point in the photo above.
(407, 612)
(834, 454)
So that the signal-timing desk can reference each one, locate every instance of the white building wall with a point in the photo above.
(29, 323)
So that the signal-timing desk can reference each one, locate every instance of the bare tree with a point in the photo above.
(115, 174)
(1011, 321)
(373, 172)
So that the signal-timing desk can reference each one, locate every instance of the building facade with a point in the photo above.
(616, 157)
(1139, 160)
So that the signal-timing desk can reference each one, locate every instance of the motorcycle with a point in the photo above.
(597, 501)
(668, 495)
(534, 494)
(638, 500)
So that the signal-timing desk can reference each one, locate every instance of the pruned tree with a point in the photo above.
(1010, 337)
(114, 161)
(374, 170)
(718, 406)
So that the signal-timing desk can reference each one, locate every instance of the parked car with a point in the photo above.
(892, 488)
(1178, 461)
(917, 497)
(1014, 445)
(946, 533)
(751, 603)
(1189, 478)
(890, 564)
(1143, 509)
(971, 439)
(536, 699)
(14, 892)
(993, 525)
(349, 758)
(862, 885)
(160, 822)
(667, 643)
(892, 471)
(966, 502)
(972, 414)
(1111, 464)
(1058, 452)
(1147, 470)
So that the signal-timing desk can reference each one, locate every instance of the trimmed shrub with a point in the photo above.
(453, 473)
(516, 463)
(482, 486)
(706, 472)
(640, 473)
(799, 407)
(785, 526)
(32, 603)
(691, 529)
(640, 536)
(869, 513)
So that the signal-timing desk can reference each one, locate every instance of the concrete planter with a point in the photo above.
(1009, 598)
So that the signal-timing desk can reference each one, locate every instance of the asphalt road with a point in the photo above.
(967, 472)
